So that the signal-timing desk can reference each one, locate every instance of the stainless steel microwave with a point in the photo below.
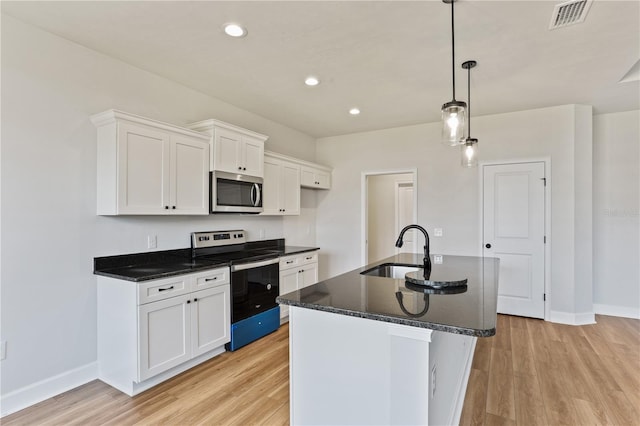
(235, 193)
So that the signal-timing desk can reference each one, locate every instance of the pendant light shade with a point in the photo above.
(469, 149)
(453, 112)
(469, 153)
(453, 122)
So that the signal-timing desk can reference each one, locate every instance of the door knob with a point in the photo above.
(487, 245)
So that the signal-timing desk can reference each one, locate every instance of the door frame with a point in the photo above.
(364, 190)
(547, 217)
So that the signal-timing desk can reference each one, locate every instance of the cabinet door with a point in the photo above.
(290, 189)
(309, 275)
(210, 319)
(164, 335)
(288, 283)
(226, 150)
(271, 187)
(324, 179)
(307, 177)
(189, 175)
(252, 156)
(143, 169)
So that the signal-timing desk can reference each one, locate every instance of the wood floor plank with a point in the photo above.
(493, 420)
(529, 401)
(482, 354)
(588, 414)
(500, 392)
(522, 351)
(503, 334)
(475, 401)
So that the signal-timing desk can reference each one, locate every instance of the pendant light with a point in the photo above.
(469, 149)
(453, 112)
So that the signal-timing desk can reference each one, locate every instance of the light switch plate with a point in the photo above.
(152, 241)
(437, 232)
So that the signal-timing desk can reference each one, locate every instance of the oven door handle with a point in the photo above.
(254, 264)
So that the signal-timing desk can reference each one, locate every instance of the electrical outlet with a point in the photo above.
(262, 234)
(3, 350)
(437, 259)
(437, 232)
(152, 241)
(433, 381)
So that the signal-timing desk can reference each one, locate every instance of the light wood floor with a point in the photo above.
(530, 373)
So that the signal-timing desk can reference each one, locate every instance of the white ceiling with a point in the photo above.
(391, 59)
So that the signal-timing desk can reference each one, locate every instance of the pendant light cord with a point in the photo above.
(453, 52)
(469, 100)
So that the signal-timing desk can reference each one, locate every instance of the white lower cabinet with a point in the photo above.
(164, 335)
(297, 272)
(153, 330)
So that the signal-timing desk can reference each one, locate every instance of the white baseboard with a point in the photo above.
(45, 389)
(616, 311)
(571, 318)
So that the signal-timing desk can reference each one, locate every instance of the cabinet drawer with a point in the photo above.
(310, 257)
(209, 279)
(290, 262)
(155, 290)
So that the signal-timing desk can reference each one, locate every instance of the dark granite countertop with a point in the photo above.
(163, 264)
(290, 250)
(469, 310)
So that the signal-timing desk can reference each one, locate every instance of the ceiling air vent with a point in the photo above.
(569, 13)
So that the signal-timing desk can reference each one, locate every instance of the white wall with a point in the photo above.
(448, 195)
(50, 232)
(616, 213)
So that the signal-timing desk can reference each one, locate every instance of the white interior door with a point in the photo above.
(514, 232)
(404, 215)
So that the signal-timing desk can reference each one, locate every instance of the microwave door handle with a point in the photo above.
(253, 194)
(257, 197)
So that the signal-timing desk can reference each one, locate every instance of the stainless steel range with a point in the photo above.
(254, 283)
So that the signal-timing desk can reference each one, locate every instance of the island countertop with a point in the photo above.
(469, 310)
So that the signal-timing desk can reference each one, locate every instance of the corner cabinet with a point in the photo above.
(281, 186)
(296, 272)
(233, 149)
(152, 330)
(146, 167)
(315, 177)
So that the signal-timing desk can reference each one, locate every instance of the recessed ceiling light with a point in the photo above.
(354, 111)
(311, 81)
(235, 30)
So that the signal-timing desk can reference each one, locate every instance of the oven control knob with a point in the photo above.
(268, 286)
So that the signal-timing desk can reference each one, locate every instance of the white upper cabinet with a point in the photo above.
(281, 187)
(233, 149)
(317, 177)
(145, 167)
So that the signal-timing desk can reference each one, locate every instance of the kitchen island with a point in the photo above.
(371, 349)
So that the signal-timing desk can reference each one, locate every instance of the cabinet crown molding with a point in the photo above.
(297, 161)
(207, 126)
(113, 115)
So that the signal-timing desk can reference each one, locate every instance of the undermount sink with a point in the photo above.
(391, 270)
